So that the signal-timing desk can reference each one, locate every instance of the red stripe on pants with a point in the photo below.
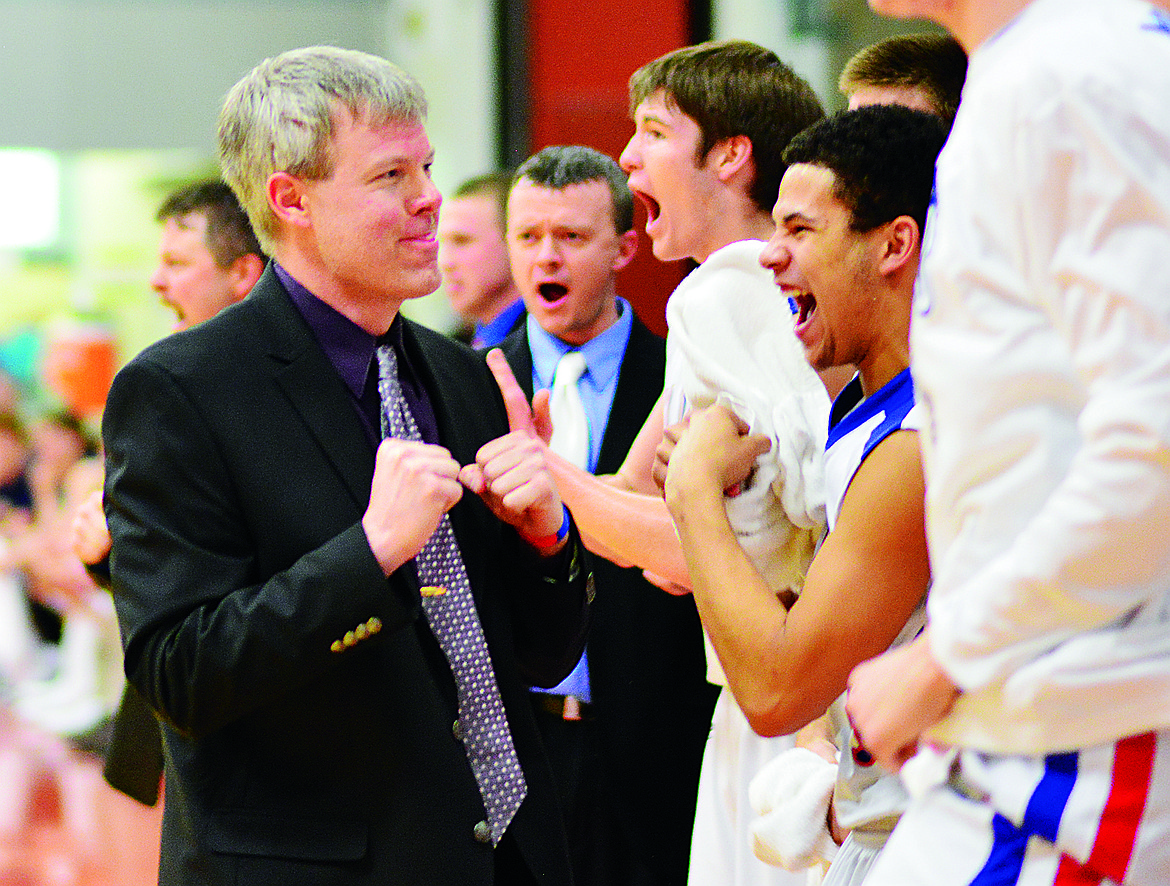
(1133, 766)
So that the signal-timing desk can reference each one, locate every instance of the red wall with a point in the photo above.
(581, 56)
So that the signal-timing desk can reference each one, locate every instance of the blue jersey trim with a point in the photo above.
(895, 399)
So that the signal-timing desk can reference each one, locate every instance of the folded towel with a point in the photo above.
(791, 797)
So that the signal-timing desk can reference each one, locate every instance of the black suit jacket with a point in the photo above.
(647, 669)
(237, 474)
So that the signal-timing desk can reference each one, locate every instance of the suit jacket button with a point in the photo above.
(483, 832)
(457, 730)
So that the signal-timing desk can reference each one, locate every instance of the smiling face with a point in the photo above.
(822, 264)
(565, 254)
(368, 230)
(664, 173)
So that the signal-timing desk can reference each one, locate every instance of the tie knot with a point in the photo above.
(387, 361)
(569, 369)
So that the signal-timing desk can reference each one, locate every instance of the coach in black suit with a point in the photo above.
(626, 759)
(264, 560)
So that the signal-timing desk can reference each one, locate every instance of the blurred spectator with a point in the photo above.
(473, 259)
(209, 257)
(15, 493)
(68, 670)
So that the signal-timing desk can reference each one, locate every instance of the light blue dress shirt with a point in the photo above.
(492, 333)
(597, 385)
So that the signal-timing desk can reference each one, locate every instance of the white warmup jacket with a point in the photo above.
(1041, 355)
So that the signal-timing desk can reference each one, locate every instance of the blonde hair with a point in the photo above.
(280, 118)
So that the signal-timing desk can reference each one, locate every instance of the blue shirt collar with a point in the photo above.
(603, 353)
(492, 333)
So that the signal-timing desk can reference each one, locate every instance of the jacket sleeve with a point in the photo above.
(209, 631)
(1091, 238)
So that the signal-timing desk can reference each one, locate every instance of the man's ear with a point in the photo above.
(627, 249)
(900, 246)
(245, 271)
(732, 156)
(286, 197)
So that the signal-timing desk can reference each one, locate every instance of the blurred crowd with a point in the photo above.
(60, 660)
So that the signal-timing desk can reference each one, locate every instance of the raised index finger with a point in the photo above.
(515, 402)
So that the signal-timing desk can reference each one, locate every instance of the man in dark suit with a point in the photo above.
(626, 730)
(338, 639)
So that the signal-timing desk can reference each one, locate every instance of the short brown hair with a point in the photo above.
(730, 88)
(935, 64)
(559, 166)
(494, 185)
(229, 234)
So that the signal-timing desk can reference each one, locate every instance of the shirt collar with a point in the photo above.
(348, 347)
(494, 332)
(603, 353)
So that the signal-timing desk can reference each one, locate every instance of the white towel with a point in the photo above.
(731, 339)
(791, 797)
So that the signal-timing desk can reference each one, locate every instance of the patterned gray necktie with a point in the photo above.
(451, 613)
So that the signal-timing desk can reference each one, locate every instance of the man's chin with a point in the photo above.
(422, 283)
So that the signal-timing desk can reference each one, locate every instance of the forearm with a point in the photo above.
(742, 615)
(894, 698)
(1069, 571)
(626, 527)
(1083, 542)
(550, 610)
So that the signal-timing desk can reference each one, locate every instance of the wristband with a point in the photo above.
(545, 542)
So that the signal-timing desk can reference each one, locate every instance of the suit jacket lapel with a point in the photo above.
(639, 384)
(303, 372)
(515, 348)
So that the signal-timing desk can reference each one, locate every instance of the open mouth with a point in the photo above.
(804, 304)
(653, 210)
(552, 292)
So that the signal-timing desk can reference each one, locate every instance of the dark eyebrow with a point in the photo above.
(795, 216)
